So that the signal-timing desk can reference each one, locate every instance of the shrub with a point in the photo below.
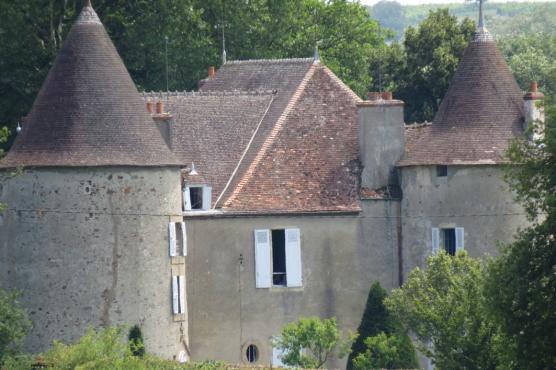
(13, 324)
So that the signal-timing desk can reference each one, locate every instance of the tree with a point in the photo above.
(135, 340)
(391, 15)
(385, 351)
(445, 307)
(310, 342)
(379, 330)
(13, 324)
(521, 287)
(431, 53)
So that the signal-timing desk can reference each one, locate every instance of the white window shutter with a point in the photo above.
(175, 295)
(459, 239)
(172, 238)
(207, 197)
(262, 259)
(186, 199)
(435, 240)
(293, 258)
(181, 281)
(184, 238)
(277, 357)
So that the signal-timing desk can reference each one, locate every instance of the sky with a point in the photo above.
(419, 2)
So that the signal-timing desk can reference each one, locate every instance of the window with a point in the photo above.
(277, 258)
(178, 294)
(441, 171)
(252, 353)
(177, 239)
(196, 198)
(451, 240)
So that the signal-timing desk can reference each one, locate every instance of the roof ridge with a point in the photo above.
(269, 141)
(278, 60)
(162, 94)
(409, 126)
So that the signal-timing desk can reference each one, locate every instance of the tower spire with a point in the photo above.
(316, 56)
(482, 34)
(88, 3)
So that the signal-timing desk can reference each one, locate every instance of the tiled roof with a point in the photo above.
(88, 111)
(213, 130)
(481, 112)
(309, 160)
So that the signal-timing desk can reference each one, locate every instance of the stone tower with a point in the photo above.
(85, 235)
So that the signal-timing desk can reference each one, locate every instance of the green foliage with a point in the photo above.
(385, 351)
(13, 324)
(445, 307)
(106, 350)
(135, 340)
(30, 36)
(391, 15)
(380, 328)
(310, 342)
(421, 71)
(521, 287)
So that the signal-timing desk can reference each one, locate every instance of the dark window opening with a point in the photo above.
(441, 171)
(449, 236)
(252, 353)
(279, 257)
(196, 197)
(179, 239)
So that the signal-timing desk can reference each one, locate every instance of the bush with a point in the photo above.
(378, 321)
(310, 342)
(135, 340)
(13, 324)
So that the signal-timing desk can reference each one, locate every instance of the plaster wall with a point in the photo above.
(473, 197)
(88, 247)
(381, 141)
(341, 257)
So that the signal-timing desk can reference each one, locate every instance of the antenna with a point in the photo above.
(167, 85)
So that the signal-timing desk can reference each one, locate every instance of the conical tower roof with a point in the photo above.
(88, 111)
(480, 113)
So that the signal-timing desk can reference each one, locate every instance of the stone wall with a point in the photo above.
(88, 247)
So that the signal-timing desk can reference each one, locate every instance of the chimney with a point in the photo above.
(159, 107)
(150, 106)
(381, 139)
(534, 112)
(211, 72)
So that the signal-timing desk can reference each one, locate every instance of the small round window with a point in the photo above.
(252, 353)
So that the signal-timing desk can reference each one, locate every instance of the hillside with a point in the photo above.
(503, 19)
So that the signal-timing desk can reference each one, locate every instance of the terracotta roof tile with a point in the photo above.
(481, 112)
(88, 111)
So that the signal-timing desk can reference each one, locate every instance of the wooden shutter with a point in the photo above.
(293, 258)
(175, 295)
(459, 238)
(181, 283)
(262, 259)
(207, 197)
(186, 199)
(435, 240)
(172, 238)
(184, 238)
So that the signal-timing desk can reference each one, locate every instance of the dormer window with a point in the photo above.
(197, 197)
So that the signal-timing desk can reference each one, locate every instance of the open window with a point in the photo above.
(197, 198)
(451, 240)
(177, 239)
(278, 258)
(441, 171)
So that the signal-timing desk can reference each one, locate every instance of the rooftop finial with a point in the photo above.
(482, 34)
(223, 47)
(88, 14)
(316, 57)
(481, 17)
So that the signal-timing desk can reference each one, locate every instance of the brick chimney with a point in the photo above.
(381, 139)
(534, 112)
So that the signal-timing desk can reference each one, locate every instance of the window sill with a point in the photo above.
(179, 317)
(283, 289)
(177, 260)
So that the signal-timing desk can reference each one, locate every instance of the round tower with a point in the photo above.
(85, 234)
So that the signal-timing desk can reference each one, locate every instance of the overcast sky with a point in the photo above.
(417, 2)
